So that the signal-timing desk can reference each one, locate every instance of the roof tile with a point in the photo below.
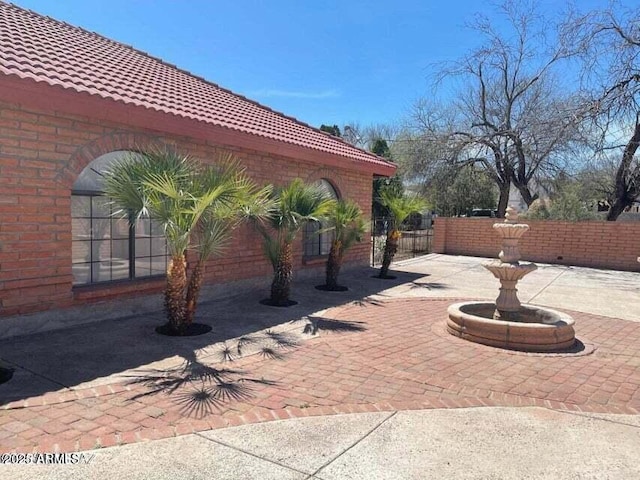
(47, 50)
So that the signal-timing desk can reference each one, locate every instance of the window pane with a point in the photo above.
(143, 227)
(157, 230)
(100, 250)
(326, 239)
(101, 237)
(143, 267)
(158, 246)
(120, 228)
(120, 249)
(311, 239)
(80, 206)
(101, 271)
(120, 269)
(101, 207)
(91, 179)
(319, 243)
(101, 228)
(158, 265)
(143, 247)
(81, 273)
(80, 229)
(80, 251)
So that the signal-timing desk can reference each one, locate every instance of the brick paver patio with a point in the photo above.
(367, 356)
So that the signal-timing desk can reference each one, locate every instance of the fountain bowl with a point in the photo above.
(531, 329)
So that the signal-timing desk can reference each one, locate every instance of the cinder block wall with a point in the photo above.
(41, 155)
(613, 245)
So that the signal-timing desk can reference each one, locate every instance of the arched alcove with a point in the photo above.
(107, 247)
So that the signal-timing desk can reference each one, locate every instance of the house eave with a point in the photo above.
(40, 95)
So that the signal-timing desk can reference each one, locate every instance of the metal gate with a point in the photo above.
(413, 242)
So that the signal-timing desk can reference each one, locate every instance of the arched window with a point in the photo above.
(318, 244)
(107, 248)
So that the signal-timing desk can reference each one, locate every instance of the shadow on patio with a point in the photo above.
(128, 350)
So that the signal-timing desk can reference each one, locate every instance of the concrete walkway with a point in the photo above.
(475, 443)
(608, 293)
(436, 406)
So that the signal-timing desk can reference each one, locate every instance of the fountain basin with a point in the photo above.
(531, 329)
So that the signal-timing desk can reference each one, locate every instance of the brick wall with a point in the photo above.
(611, 245)
(41, 155)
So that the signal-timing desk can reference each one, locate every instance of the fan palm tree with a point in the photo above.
(400, 206)
(293, 206)
(197, 206)
(346, 220)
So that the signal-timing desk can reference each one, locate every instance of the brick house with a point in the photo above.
(71, 101)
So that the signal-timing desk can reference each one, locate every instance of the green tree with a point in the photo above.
(331, 129)
(197, 205)
(381, 184)
(454, 191)
(346, 220)
(570, 201)
(569, 205)
(538, 210)
(400, 207)
(292, 206)
(380, 147)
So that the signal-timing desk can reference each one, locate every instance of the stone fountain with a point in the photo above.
(507, 323)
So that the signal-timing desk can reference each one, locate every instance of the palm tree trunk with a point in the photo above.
(174, 302)
(334, 262)
(390, 249)
(193, 290)
(281, 285)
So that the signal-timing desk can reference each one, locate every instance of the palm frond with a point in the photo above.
(346, 219)
(297, 203)
(401, 205)
(213, 235)
(272, 247)
(280, 213)
(189, 200)
(256, 204)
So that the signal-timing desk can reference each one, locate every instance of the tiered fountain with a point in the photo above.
(507, 323)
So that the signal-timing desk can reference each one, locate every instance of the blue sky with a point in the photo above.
(321, 62)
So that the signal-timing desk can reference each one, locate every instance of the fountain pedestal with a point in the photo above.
(507, 303)
(507, 323)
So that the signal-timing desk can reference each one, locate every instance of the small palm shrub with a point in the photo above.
(400, 206)
(198, 206)
(346, 220)
(291, 207)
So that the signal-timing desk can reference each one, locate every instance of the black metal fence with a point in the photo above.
(414, 241)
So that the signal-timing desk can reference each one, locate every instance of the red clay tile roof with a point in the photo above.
(47, 50)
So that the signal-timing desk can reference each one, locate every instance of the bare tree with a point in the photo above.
(509, 115)
(366, 136)
(610, 45)
(353, 133)
(437, 141)
(598, 178)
